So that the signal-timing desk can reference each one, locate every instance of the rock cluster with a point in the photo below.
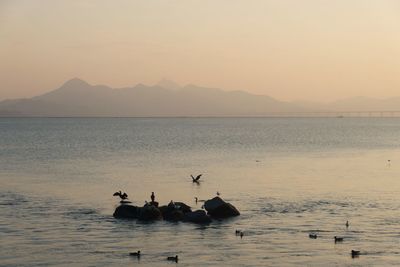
(178, 211)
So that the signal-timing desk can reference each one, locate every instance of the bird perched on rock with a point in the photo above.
(123, 196)
(175, 259)
(196, 179)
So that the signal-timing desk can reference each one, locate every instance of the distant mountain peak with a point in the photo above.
(75, 82)
(76, 97)
(168, 84)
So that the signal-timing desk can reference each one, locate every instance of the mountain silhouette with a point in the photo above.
(77, 98)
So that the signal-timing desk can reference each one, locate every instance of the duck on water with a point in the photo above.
(135, 254)
(175, 259)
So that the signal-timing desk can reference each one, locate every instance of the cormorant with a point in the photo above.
(123, 196)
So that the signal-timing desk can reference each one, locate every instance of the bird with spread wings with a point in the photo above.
(196, 179)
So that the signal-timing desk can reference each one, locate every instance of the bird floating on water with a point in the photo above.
(338, 239)
(135, 254)
(313, 236)
(175, 259)
(239, 233)
(355, 253)
(196, 179)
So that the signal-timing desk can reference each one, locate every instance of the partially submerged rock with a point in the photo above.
(149, 213)
(175, 211)
(178, 211)
(127, 212)
(154, 203)
(171, 214)
(198, 216)
(183, 207)
(146, 213)
(218, 208)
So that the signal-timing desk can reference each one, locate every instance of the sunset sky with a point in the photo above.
(318, 50)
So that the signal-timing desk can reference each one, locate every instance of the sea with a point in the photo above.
(288, 177)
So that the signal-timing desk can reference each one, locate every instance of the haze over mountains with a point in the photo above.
(77, 98)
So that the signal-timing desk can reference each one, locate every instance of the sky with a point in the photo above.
(314, 50)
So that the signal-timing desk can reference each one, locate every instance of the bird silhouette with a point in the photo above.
(196, 179)
(313, 236)
(355, 253)
(338, 239)
(135, 254)
(175, 259)
(123, 196)
(199, 200)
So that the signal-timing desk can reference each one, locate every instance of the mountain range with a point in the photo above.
(77, 98)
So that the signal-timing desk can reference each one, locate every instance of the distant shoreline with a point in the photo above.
(195, 117)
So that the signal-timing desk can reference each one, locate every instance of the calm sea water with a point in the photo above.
(288, 177)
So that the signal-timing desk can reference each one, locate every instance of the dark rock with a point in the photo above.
(163, 210)
(218, 208)
(127, 211)
(174, 211)
(149, 213)
(174, 215)
(198, 216)
(183, 207)
(154, 203)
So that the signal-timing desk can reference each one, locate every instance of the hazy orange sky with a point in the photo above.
(318, 50)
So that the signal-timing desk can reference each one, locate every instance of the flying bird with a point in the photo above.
(196, 180)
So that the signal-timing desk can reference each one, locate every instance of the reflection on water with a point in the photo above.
(287, 177)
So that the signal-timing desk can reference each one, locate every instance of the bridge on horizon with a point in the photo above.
(339, 114)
